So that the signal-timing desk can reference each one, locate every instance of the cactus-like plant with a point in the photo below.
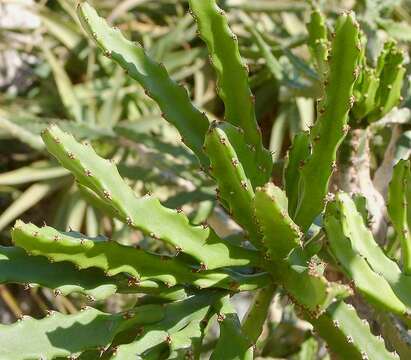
(297, 236)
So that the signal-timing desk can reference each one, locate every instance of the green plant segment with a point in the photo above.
(297, 240)
(399, 211)
(252, 325)
(345, 244)
(179, 329)
(318, 41)
(281, 234)
(307, 286)
(234, 186)
(60, 335)
(299, 151)
(145, 213)
(232, 76)
(378, 89)
(332, 124)
(17, 267)
(365, 262)
(343, 329)
(145, 269)
(390, 71)
(232, 344)
(172, 98)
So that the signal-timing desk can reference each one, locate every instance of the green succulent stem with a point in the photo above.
(145, 213)
(232, 74)
(399, 209)
(332, 123)
(171, 97)
(253, 322)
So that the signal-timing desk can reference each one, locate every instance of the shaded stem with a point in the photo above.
(254, 320)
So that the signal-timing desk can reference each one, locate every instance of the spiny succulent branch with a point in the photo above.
(365, 92)
(357, 268)
(16, 266)
(253, 322)
(303, 281)
(280, 234)
(234, 187)
(145, 213)
(348, 336)
(145, 269)
(318, 41)
(307, 286)
(232, 75)
(60, 335)
(390, 71)
(399, 202)
(297, 154)
(355, 249)
(332, 123)
(169, 331)
(172, 98)
(246, 153)
(232, 344)
(378, 90)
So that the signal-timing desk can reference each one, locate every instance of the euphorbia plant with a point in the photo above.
(296, 235)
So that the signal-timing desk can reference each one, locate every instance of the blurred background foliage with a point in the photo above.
(51, 73)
